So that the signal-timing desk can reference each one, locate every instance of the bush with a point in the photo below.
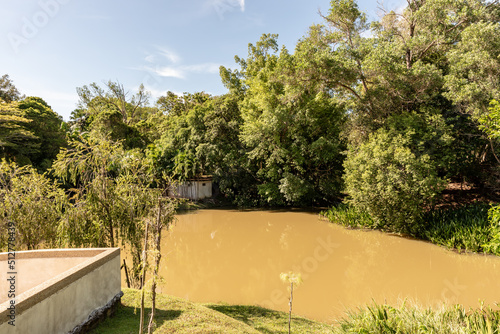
(493, 245)
(392, 183)
(349, 216)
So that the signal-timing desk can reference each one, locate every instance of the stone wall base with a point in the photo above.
(98, 315)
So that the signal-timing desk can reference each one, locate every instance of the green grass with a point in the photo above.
(349, 216)
(404, 319)
(175, 315)
(269, 321)
(465, 228)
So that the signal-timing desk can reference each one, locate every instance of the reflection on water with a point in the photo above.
(237, 257)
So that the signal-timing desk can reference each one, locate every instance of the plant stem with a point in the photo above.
(290, 311)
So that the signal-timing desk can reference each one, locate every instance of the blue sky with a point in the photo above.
(51, 47)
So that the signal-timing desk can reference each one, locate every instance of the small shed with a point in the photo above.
(194, 189)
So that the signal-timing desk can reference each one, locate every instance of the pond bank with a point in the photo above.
(237, 257)
(461, 229)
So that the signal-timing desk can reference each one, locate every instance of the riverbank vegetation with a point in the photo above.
(410, 319)
(463, 228)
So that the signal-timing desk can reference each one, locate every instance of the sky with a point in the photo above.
(51, 47)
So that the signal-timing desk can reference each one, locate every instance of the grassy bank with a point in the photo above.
(464, 229)
(408, 319)
(175, 315)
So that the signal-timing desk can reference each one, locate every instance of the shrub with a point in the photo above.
(392, 183)
(493, 245)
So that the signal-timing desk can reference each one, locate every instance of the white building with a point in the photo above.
(194, 189)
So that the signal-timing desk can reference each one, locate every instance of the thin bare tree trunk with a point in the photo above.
(157, 265)
(290, 311)
(126, 273)
(143, 277)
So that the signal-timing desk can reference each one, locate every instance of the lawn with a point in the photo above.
(176, 315)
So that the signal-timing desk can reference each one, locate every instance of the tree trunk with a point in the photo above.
(157, 265)
(290, 311)
(126, 273)
(143, 277)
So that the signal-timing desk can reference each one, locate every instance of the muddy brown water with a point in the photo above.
(236, 257)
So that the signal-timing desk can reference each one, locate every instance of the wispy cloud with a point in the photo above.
(166, 71)
(181, 72)
(165, 63)
(160, 55)
(223, 6)
(169, 55)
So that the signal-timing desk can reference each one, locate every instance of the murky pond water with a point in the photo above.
(237, 257)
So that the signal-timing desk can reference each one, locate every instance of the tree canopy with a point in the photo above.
(382, 114)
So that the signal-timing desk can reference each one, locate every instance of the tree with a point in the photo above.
(163, 215)
(291, 131)
(16, 141)
(173, 104)
(474, 76)
(112, 194)
(224, 153)
(111, 114)
(114, 97)
(392, 182)
(47, 126)
(415, 69)
(33, 203)
(8, 92)
(89, 166)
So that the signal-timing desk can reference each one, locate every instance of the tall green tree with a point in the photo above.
(47, 126)
(33, 204)
(8, 92)
(112, 113)
(291, 132)
(16, 141)
(112, 194)
(177, 151)
(404, 80)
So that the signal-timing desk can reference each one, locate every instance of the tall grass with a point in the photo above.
(465, 228)
(349, 216)
(388, 319)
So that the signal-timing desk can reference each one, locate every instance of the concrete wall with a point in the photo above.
(195, 190)
(65, 301)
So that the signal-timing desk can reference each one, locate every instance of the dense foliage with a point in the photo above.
(380, 114)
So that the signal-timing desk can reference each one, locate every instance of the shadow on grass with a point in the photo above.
(126, 320)
(264, 320)
(244, 313)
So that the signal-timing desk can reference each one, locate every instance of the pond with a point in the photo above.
(236, 257)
